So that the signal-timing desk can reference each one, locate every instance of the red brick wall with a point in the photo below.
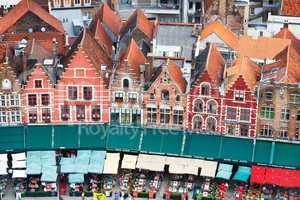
(91, 77)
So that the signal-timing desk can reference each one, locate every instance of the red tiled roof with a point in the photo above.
(44, 38)
(134, 56)
(103, 39)
(285, 33)
(139, 21)
(290, 7)
(176, 74)
(24, 7)
(215, 64)
(244, 67)
(108, 17)
(222, 32)
(38, 52)
(262, 47)
(94, 51)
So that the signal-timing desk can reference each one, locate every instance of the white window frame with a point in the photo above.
(87, 2)
(15, 99)
(3, 100)
(240, 115)
(77, 4)
(239, 94)
(3, 115)
(57, 3)
(42, 82)
(67, 5)
(237, 112)
(15, 114)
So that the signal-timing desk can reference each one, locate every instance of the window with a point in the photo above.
(65, 113)
(178, 98)
(125, 83)
(67, 3)
(271, 2)
(298, 115)
(165, 53)
(261, 33)
(245, 114)
(269, 96)
(165, 96)
(119, 96)
(252, 11)
(15, 116)
(230, 129)
(283, 133)
(285, 114)
(87, 93)
(211, 124)
(178, 117)
(3, 117)
(231, 113)
(198, 105)
(73, 94)
(151, 115)
(197, 123)
(266, 131)
(267, 112)
(14, 100)
(244, 130)
(152, 96)
(204, 89)
(212, 107)
(125, 116)
(164, 116)
(38, 84)
(80, 112)
(2, 100)
(46, 115)
(96, 113)
(190, 5)
(32, 116)
(56, 3)
(45, 99)
(136, 116)
(132, 97)
(32, 100)
(294, 98)
(87, 2)
(114, 115)
(77, 2)
(239, 95)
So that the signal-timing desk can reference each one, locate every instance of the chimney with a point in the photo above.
(54, 47)
(142, 74)
(148, 71)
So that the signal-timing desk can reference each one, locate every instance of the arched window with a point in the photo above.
(6, 84)
(198, 105)
(197, 123)
(165, 95)
(212, 107)
(204, 89)
(125, 83)
(211, 124)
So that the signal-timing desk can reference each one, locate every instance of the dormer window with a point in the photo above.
(239, 95)
(67, 3)
(77, 2)
(119, 96)
(87, 2)
(205, 89)
(125, 83)
(6, 84)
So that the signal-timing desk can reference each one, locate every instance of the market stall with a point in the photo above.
(111, 164)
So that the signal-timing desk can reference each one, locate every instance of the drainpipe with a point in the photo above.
(272, 153)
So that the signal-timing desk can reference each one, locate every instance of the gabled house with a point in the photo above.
(279, 113)
(126, 86)
(82, 93)
(140, 29)
(37, 96)
(106, 19)
(216, 32)
(204, 104)
(165, 99)
(10, 104)
(239, 110)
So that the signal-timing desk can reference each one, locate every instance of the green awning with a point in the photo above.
(66, 136)
(163, 141)
(237, 149)
(12, 138)
(262, 152)
(199, 145)
(124, 138)
(34, 134)
(287, 154)
(92, 136)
